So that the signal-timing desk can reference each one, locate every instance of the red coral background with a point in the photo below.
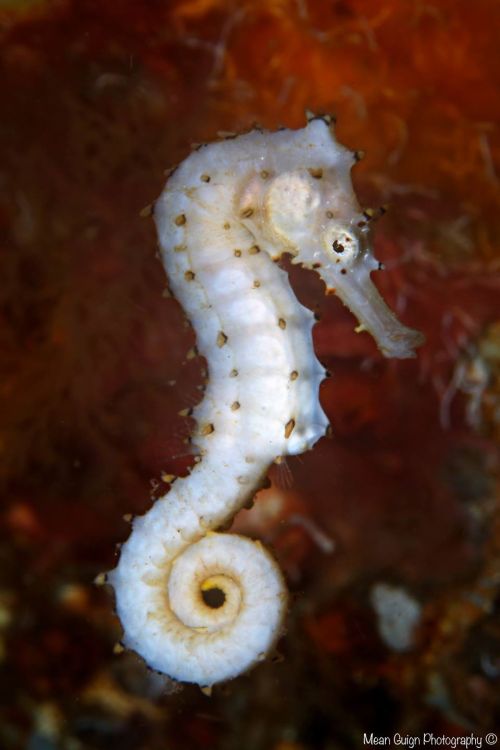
(97, 100)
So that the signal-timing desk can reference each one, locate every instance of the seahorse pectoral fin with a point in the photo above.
(361, 296)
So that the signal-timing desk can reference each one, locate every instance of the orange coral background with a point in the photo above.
(97, 100)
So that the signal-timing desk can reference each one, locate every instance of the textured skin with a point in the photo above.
(226, 213)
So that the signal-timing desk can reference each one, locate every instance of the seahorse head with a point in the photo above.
(303, 203)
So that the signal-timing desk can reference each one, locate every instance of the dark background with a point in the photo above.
(97, 100)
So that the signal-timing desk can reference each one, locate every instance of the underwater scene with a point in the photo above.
(386, 530)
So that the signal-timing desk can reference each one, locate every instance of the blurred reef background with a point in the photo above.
(389, 532)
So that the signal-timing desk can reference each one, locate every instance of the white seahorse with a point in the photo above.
(228, 212)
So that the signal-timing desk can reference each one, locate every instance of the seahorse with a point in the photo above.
(224, 218)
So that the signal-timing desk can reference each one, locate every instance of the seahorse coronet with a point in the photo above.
(226, 213)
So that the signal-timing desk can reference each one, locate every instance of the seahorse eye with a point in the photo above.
(291, 201)
(341, 246)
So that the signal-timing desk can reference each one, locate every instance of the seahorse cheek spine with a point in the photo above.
(224, 215)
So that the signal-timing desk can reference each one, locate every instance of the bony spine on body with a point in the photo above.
(228, 211)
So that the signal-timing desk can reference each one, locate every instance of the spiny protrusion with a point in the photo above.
(180, 220)
(316, 172)
(264, 174)
(118, 648)
(235, 406)
(185, 412)
(256, 284)
(289, 427)
(101, 579)
(207, 429)
(237, 253)
(147, 211)
(294, 375)
(192, 353)
(328, 119)
(168, 478)
(277, 658)
(372, 214)
(246, 213)
(282, 323)
(227, 135)
(233, 373)
(254, 250)
(221, 339)
(127, 517)
(205, 178)
(180, 248)
(226, 226)
(189, 275)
